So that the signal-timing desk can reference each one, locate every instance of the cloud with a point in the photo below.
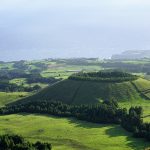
(72, 27)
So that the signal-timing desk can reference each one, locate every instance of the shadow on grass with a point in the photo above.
(85, 124)
(134, 143)
(71, 120)
(113, 131)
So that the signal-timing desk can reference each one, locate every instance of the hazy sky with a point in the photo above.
(33, 29)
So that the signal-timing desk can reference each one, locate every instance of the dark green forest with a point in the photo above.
(104, 76)
(16, 142)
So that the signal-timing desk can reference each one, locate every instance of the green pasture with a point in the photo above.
(63, 71)
(6, 98)
(70, 134)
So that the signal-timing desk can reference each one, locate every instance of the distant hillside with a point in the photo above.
(133, 54)
(87, 92)
(143, 86)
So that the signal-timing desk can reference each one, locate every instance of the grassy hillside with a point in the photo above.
(6, 98)
(70, 134)
(143, 86)
(89, 92)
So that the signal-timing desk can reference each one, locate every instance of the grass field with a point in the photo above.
(63, 71)
(70, 134)
(23, 82)
(18, 81)
(143, 86)
(6, 98)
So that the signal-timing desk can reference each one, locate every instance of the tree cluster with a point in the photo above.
(12, 74)
(35, 78)
(132, 122)
(5, 86)
(104, 76)
(20, 65)
(40, 65)
(15, 142)
(105, 112)
(6, 76)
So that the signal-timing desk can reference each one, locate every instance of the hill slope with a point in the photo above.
(143, 86)
(89, 92)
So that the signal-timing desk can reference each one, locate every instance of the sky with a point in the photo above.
(36, 29)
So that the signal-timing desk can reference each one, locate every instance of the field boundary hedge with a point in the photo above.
(104, 77)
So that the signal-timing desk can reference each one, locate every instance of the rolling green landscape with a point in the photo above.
(51, 77)
(74, 75)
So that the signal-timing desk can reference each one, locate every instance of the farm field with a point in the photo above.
(6, 98)
(22, 81)
(143, 86)
(63, 70)
(71, 134)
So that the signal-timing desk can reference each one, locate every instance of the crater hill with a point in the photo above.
(90, 88)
